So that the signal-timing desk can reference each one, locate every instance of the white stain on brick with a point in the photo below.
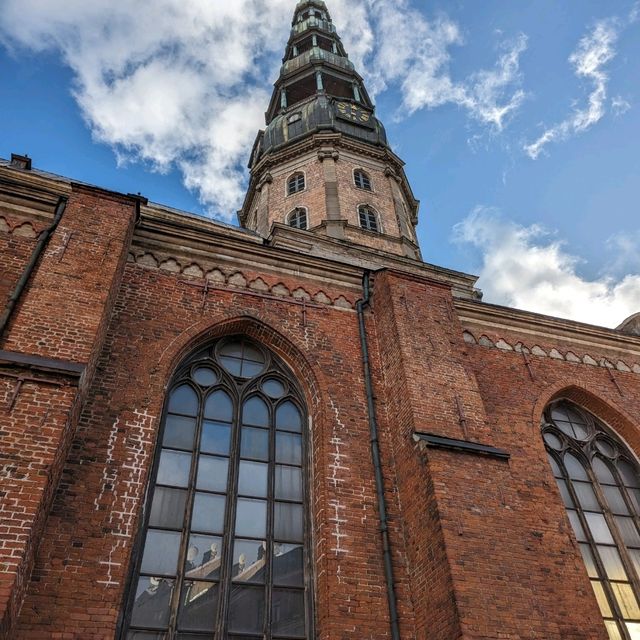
(337, 475)
(127, 486)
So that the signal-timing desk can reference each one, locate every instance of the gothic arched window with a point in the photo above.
(295, 183)
(298, 218)
(362, 180)
(368, 218)
(223, 547)
(599, 481)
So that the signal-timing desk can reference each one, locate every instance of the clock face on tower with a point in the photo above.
(354, 113)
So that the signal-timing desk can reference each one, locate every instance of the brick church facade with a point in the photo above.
(296, 428)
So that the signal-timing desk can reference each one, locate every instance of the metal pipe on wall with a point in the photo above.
(28, 270)
(375, 455)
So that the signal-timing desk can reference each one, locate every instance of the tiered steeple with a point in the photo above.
(323, 164)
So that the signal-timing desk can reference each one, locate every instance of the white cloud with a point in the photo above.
(414, 53)
(589, 60)
(620, 106)
(527, 268)
(184, 83)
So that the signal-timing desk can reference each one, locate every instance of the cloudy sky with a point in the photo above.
(519, 121)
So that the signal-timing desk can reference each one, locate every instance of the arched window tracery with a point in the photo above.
(599, 482)
(224, 551)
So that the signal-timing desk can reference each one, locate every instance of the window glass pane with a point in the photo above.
(612, 563)
(613, 631)
(251, 369)
(146, 635)
(586, 496)
(253, 479)
(577, 526)
(634, 630)
(553, 441)
(273, 388)
(249, 558)
(252, 354)
(615, 500)
(288, 521)
(628, 531)
(602, 471)
(251, 518)
(288, 483)
(198, 606)
(288, 448)
(212, 473)
(287, 612)
(215, 438)
(634, 494)
(288, 417)
(205, 376)
(208, 513)
(232, 349)
(629, 475)
(218, 406)
(555, 467)
(168, 507)
(161, 549)
(255, 444)
(605, 448)
(605, 609)
(589, 562)
(232, 365)
(204, 556)
(564, 492)
(174, 468)
(183, 400)
(246, 609)
(255, 412)
(152, 602)
(179, 432)
(574, 468)
(599, 528)
(288, 565)
(635, 557)
(626, 600)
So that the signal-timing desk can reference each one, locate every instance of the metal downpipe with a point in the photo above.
(28, 270)
(375, 455)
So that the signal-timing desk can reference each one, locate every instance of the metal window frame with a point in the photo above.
(296, 183)
(370, 215)
(240, 391)
(585, 451)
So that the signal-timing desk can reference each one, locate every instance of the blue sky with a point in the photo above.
(164, 97)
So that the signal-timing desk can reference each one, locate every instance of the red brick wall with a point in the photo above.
(84, 560)
(481, 547)
(62, 315)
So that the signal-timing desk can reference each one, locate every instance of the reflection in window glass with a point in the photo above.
(605, 490)
(225, 532)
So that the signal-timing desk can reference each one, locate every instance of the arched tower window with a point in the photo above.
(362, 180)
(224, 552)
(599, 481)
(295, 183)
(298, 219)
(368, 218)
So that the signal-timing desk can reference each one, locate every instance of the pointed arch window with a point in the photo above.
(599, 481)
(368, 218)
(296, 183)
(223, 547)
(298, 219)
(362, 180)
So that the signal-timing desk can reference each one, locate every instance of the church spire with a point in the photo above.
(323, 163)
